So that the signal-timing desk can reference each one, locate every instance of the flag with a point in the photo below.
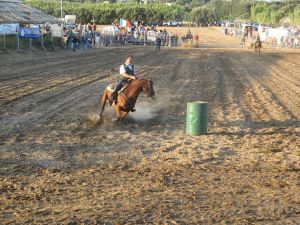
(125, 23)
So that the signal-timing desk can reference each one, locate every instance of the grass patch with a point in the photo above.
(11, 42)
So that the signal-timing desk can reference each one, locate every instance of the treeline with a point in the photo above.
(261, 12)
(197, 11)
(109, 13)
(274, 13)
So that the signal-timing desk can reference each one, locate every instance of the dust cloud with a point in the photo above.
(92, 118)
(143, 113)
(148, 110)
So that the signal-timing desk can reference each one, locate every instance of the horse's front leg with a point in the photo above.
(118, 112)
(124, 114)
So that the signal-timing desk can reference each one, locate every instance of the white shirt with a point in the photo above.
(122, 68)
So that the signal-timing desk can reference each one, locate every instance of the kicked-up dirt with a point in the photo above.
(59, 166)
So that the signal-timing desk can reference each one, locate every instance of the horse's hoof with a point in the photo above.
(114, 120)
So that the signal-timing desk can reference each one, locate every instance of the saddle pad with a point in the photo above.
(111, 87)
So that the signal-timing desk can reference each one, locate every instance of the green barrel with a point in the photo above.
(196, 118)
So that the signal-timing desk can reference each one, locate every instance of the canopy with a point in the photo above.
(14, 11)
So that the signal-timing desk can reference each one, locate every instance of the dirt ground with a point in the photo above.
(59, 167)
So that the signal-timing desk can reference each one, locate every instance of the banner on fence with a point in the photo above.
(56, 30)
(9, 28)
(30, 32)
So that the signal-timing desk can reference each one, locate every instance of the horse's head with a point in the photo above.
(148, 89)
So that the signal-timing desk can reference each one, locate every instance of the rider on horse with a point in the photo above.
(126, 74)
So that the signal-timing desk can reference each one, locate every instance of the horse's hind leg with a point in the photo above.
(103, 101)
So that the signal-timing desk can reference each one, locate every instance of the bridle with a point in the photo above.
(148, 91)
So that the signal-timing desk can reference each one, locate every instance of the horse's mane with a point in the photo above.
(140, 80)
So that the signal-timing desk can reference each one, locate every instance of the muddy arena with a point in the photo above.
(59, 165)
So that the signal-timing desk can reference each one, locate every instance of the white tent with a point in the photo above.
(277, 33)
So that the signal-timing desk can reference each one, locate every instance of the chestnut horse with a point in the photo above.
(126, 100)
(257, 46)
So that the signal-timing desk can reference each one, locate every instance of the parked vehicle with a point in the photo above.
(150, 24)
(172, 24)
(70, 26)
(255, 26)
(229, 24)
(151, 37)
(133, 40)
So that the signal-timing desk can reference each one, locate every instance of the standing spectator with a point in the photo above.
(168, 42)
(74, 43)
(93, 35)
(158, 41)
(80, 27)
(90, 27)
(296, 43)
(175, 39)
(243, 41)
(196, 38)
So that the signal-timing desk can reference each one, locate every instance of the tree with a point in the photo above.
(292, 4)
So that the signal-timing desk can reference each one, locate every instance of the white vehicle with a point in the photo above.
(111, 30)
(70, 19)
(172, 24)
(151, 37)
(244, 25)
(229, 24)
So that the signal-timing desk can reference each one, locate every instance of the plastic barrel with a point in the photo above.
(196, 118)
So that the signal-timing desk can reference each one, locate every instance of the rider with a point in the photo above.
(126, 74)
(258, 38)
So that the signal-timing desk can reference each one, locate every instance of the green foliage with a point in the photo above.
(294, 16)
(199, 11)
(273, 13)
(109, 13)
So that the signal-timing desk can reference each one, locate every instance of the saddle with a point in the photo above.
(112, 87)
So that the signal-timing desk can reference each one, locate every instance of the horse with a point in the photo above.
(126, 99)
(257, 46)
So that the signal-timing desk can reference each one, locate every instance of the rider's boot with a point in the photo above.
(113, 97)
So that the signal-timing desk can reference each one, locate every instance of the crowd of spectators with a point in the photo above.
(84, 36)
(292, 40)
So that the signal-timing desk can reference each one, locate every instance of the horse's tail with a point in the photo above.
(103, 102)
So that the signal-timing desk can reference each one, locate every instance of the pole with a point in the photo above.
(18, 41)
(231, 5)
(42, 41)
(4, 44)
(52, 41)
(61, 8)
